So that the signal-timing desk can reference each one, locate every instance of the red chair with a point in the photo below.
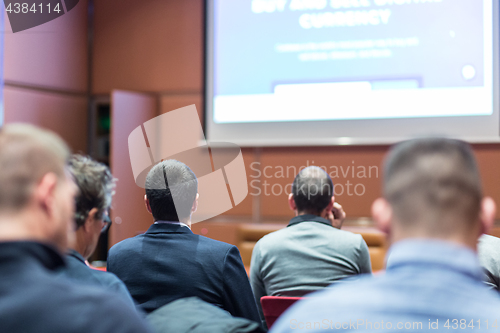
(274, 306)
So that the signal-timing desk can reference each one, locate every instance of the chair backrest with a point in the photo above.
(274, 306)
(249, 234)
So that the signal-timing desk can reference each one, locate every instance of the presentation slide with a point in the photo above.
(314, 60)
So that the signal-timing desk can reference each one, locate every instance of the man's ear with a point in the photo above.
(148, 206)
(291, 202)
(382, 214)
(45, 192)
(195, 204)
(89, 221)
(330, 205)
(487, 214)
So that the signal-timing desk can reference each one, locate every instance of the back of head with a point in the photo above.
(27, 153)
(171, 189)
(312, 190)
(433, 186)
(95, 184)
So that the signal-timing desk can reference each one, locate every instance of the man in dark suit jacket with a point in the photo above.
(96, 186)
(169, 262)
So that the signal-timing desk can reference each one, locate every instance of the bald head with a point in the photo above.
(312, 190)
(27, 153)
(433, 186)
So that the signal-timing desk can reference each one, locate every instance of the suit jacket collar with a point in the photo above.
(308, 218)
(78, 256)
(162, 228)
(20, 251)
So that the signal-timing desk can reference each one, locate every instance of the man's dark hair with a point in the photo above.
(96, 187)
(435, 182)
(171, 189)
(312, 190)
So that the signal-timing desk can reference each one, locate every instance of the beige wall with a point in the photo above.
(46, 76)
(62, 113)
(153, 46)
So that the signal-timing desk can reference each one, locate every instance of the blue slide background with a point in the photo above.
(245, 60)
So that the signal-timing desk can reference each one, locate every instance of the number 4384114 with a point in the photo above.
(25, 8)
(464, 324)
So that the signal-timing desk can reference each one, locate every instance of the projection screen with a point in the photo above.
(322, 72)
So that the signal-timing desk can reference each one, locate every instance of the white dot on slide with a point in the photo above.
(468, 72)
(118, 220)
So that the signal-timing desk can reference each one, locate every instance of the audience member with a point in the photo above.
(36, 212)
(434, 212)
(311, 252)
(488, 249)
(95, 184)
(169, 262)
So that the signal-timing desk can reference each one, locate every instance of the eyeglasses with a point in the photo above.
(107, 222)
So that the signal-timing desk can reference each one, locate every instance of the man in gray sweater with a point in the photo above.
(488, 249)
(311, 252)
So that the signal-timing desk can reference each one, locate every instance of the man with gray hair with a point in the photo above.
(96, 187)
(36, 219)
(170, 262)
(311, 252)
(434, 211)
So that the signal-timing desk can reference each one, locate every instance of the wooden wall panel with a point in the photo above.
(273, 205)
(488, 157)
(154, 45)
(52, 55)
(173, 102)
(64, 114)
(129, 214)
(244, 209)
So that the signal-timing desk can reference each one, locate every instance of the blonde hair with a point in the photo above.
(27, 153)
